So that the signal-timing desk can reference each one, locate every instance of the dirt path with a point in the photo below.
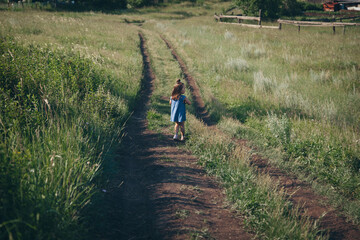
(199, 104)
(300, 193)
(159, 191)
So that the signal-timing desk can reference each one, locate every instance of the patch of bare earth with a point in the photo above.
(300, 193)
(159, 191)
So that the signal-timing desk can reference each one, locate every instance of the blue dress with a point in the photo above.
(178, 113)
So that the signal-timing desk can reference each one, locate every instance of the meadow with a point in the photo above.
(68, 85)
(70, 80)
(294, 97)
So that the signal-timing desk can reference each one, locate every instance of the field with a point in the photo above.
(70, 81)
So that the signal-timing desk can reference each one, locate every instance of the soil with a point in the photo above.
(159, 191)
(300, 193)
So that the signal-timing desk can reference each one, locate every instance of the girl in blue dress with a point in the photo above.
(178, 113)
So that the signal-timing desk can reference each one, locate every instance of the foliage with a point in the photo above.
(57, 114)
(280, 128)
(274, 8)
(262, 203)
(314, 86)
(308, 6)
(107, 4)
(269, 8)
(270, 215)
(290, 8)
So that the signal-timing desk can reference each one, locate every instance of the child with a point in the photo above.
(178, 113)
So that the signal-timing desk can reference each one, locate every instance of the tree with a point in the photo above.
(269, 8)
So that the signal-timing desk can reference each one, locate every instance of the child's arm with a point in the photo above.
(170, 101)
(187, 101)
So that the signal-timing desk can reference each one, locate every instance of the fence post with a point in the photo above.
(260, 17)
(279, 26)
(333, 29)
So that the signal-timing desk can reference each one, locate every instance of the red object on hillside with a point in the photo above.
(331, 6)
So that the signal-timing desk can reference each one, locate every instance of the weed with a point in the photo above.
(263, 84)
(182, 213)
(255, 196)
(237, 64)
(280, 128)
(201, 234)
(62, 109)
(229, 35)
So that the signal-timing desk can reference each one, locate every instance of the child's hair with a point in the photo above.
(178, 87)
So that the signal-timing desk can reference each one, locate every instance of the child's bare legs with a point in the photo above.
(182, 130)
(180, 125)
(176, 129)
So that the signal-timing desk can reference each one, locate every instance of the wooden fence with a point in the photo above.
(299, 24)
(220, 17)
(316, 24)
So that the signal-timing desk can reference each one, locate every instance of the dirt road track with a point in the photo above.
(159, 191)
(300, 193)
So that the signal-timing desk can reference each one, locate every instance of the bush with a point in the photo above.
(270, 8)
(280, 128)
(307, 6)
(275, 8)
(57, 113)
(290, 8)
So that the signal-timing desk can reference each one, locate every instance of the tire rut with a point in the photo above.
(159, 191)
(299, 192)
(199, 104)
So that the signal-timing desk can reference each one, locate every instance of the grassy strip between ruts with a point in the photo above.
(60, 113)
(271, 143)
(302, 109)
(257, 197)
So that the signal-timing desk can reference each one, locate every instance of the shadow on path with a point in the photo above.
(159, 191)
(300, 193)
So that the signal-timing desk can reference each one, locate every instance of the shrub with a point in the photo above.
(57, 114)
(280, 128)
(263, 84)
(270, 8)
(307, 6)
(237, 64)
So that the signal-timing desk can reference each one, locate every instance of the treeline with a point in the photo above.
(275, 8)
(270, 8)
(126, 3)
(99, 4)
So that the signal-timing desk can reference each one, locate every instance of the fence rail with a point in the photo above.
(220, 17)
(313, 23)
(238, 17)
(300, 24)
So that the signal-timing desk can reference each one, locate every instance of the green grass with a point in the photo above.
(256, 197)
(76, 76)
(63, 107)
(316, 158)
(261, 201)
(258, 76)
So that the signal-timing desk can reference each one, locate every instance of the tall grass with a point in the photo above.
(57, 114)
(62, 106)
(315, 85)
(261, 201)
